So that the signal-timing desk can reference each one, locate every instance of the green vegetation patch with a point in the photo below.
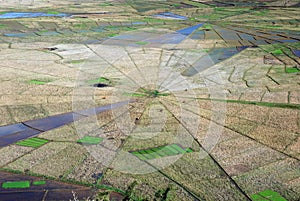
(105, 4)
(155, 93)
(3, 26)
(219, 8)
(147, 93)
(102, 80)
(16, 184)
(39, 82)
(292, 70)
(80, 26)
(42, 31)
(163, 151)
(277, 52)
(272, 26)
(90, 140)
(267, 195)
(206, 27)
(32, 142)
(176, 5)
(38, 183)
(53, 12)
(112, 35)
(129, 28)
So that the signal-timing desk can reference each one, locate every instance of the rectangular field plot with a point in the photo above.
(38, 183)
(163, 151)
(32, 142)
(16, 184)
(90, 140)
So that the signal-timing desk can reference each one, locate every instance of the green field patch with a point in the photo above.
(171, 150)
(292, 70)
(154, 93)
(219, 8)
(42, 31)
(277, 52)
(141, 43)
(139, 155)
(39, 183)
(189, 150)
(105, 4)
(152, 153)
(272, 26)
(267, 195)
(168, 152)
(32, 142)
(129, 28)
(176, 4)
(145, 154)
(3, 26)
(147, 93)
(102, 80)
(159, 152)
(53, 12)
(112, 35)
(16, 184)
(206, 27)
(39, 82)
(91, 140)
(81, 26)
(178, 148)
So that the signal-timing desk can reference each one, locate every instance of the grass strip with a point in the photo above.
(16, 184)
(32, 142)
(100, 80)
(139, 155)
(178, 148)
(53, 12)
(159, 151)
(292, 70)
(153, 153)
(169, 151)
(267, 195)
(38, 183)
(90, 140)
(39, 82)
(173, 150)
(277, 52)
(189, 150)
(145, 154)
